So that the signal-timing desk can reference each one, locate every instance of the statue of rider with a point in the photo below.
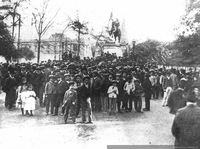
(115, 26)
(115, 31)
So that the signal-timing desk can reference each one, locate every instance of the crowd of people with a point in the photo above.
(107, 84)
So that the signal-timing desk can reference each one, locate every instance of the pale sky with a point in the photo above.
(144, 19)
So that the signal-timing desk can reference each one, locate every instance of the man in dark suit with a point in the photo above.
(147, 88)
(10, 89)
(120, 86)
(96, 86)
(85, 95)
(176, 99)
(186, 125)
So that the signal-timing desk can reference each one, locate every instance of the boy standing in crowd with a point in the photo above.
(112, 95)
(49, 93)
(70, 100)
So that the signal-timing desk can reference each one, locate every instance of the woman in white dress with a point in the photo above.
(30, 100)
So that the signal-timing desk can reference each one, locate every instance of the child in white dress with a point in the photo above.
(30, 100)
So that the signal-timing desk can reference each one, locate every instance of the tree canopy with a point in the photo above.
(187, 42)
(151, 51)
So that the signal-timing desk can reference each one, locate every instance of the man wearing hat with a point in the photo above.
(85, 94)
(129, 88)
(104, 88)
(185, 127)
(120, 85)
(49, 93)
(70, 100)
(96, 86)
(67, 79)
(196, 87)
(153, 80)
(61, 87)
(112, 95)
(77, 85)
(176, 99)
(138, 95)
(174, 79)
(167, 87)
(84, 71)
(147, 88)
(39, 83)
(10, 89)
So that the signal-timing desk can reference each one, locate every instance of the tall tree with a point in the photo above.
(42, 23)
(79, 27)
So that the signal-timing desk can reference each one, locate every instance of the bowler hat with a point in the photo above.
(86, 77)
(51, 76)
(77, 75)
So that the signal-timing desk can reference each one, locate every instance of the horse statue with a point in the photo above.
(115, 31)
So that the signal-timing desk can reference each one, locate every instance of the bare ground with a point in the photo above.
(40, 131)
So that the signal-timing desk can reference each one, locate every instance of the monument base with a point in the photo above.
(112, 47)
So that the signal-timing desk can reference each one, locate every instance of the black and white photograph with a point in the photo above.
(99, 74)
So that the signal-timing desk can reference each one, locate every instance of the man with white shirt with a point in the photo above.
(129, 88)
(112, 95)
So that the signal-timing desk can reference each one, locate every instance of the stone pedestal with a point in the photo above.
(112, 47)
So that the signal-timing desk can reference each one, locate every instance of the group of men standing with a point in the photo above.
(84, 86)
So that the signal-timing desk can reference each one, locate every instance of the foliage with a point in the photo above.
(25, 53)
(79, 27)
(7, 49)
(188, 47)
(151, 51)
(187, 43)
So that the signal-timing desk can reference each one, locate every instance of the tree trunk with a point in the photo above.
(39, 44)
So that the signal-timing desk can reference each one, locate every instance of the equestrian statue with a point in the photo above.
(115, 31)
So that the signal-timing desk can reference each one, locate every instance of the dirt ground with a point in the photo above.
(41, 132)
